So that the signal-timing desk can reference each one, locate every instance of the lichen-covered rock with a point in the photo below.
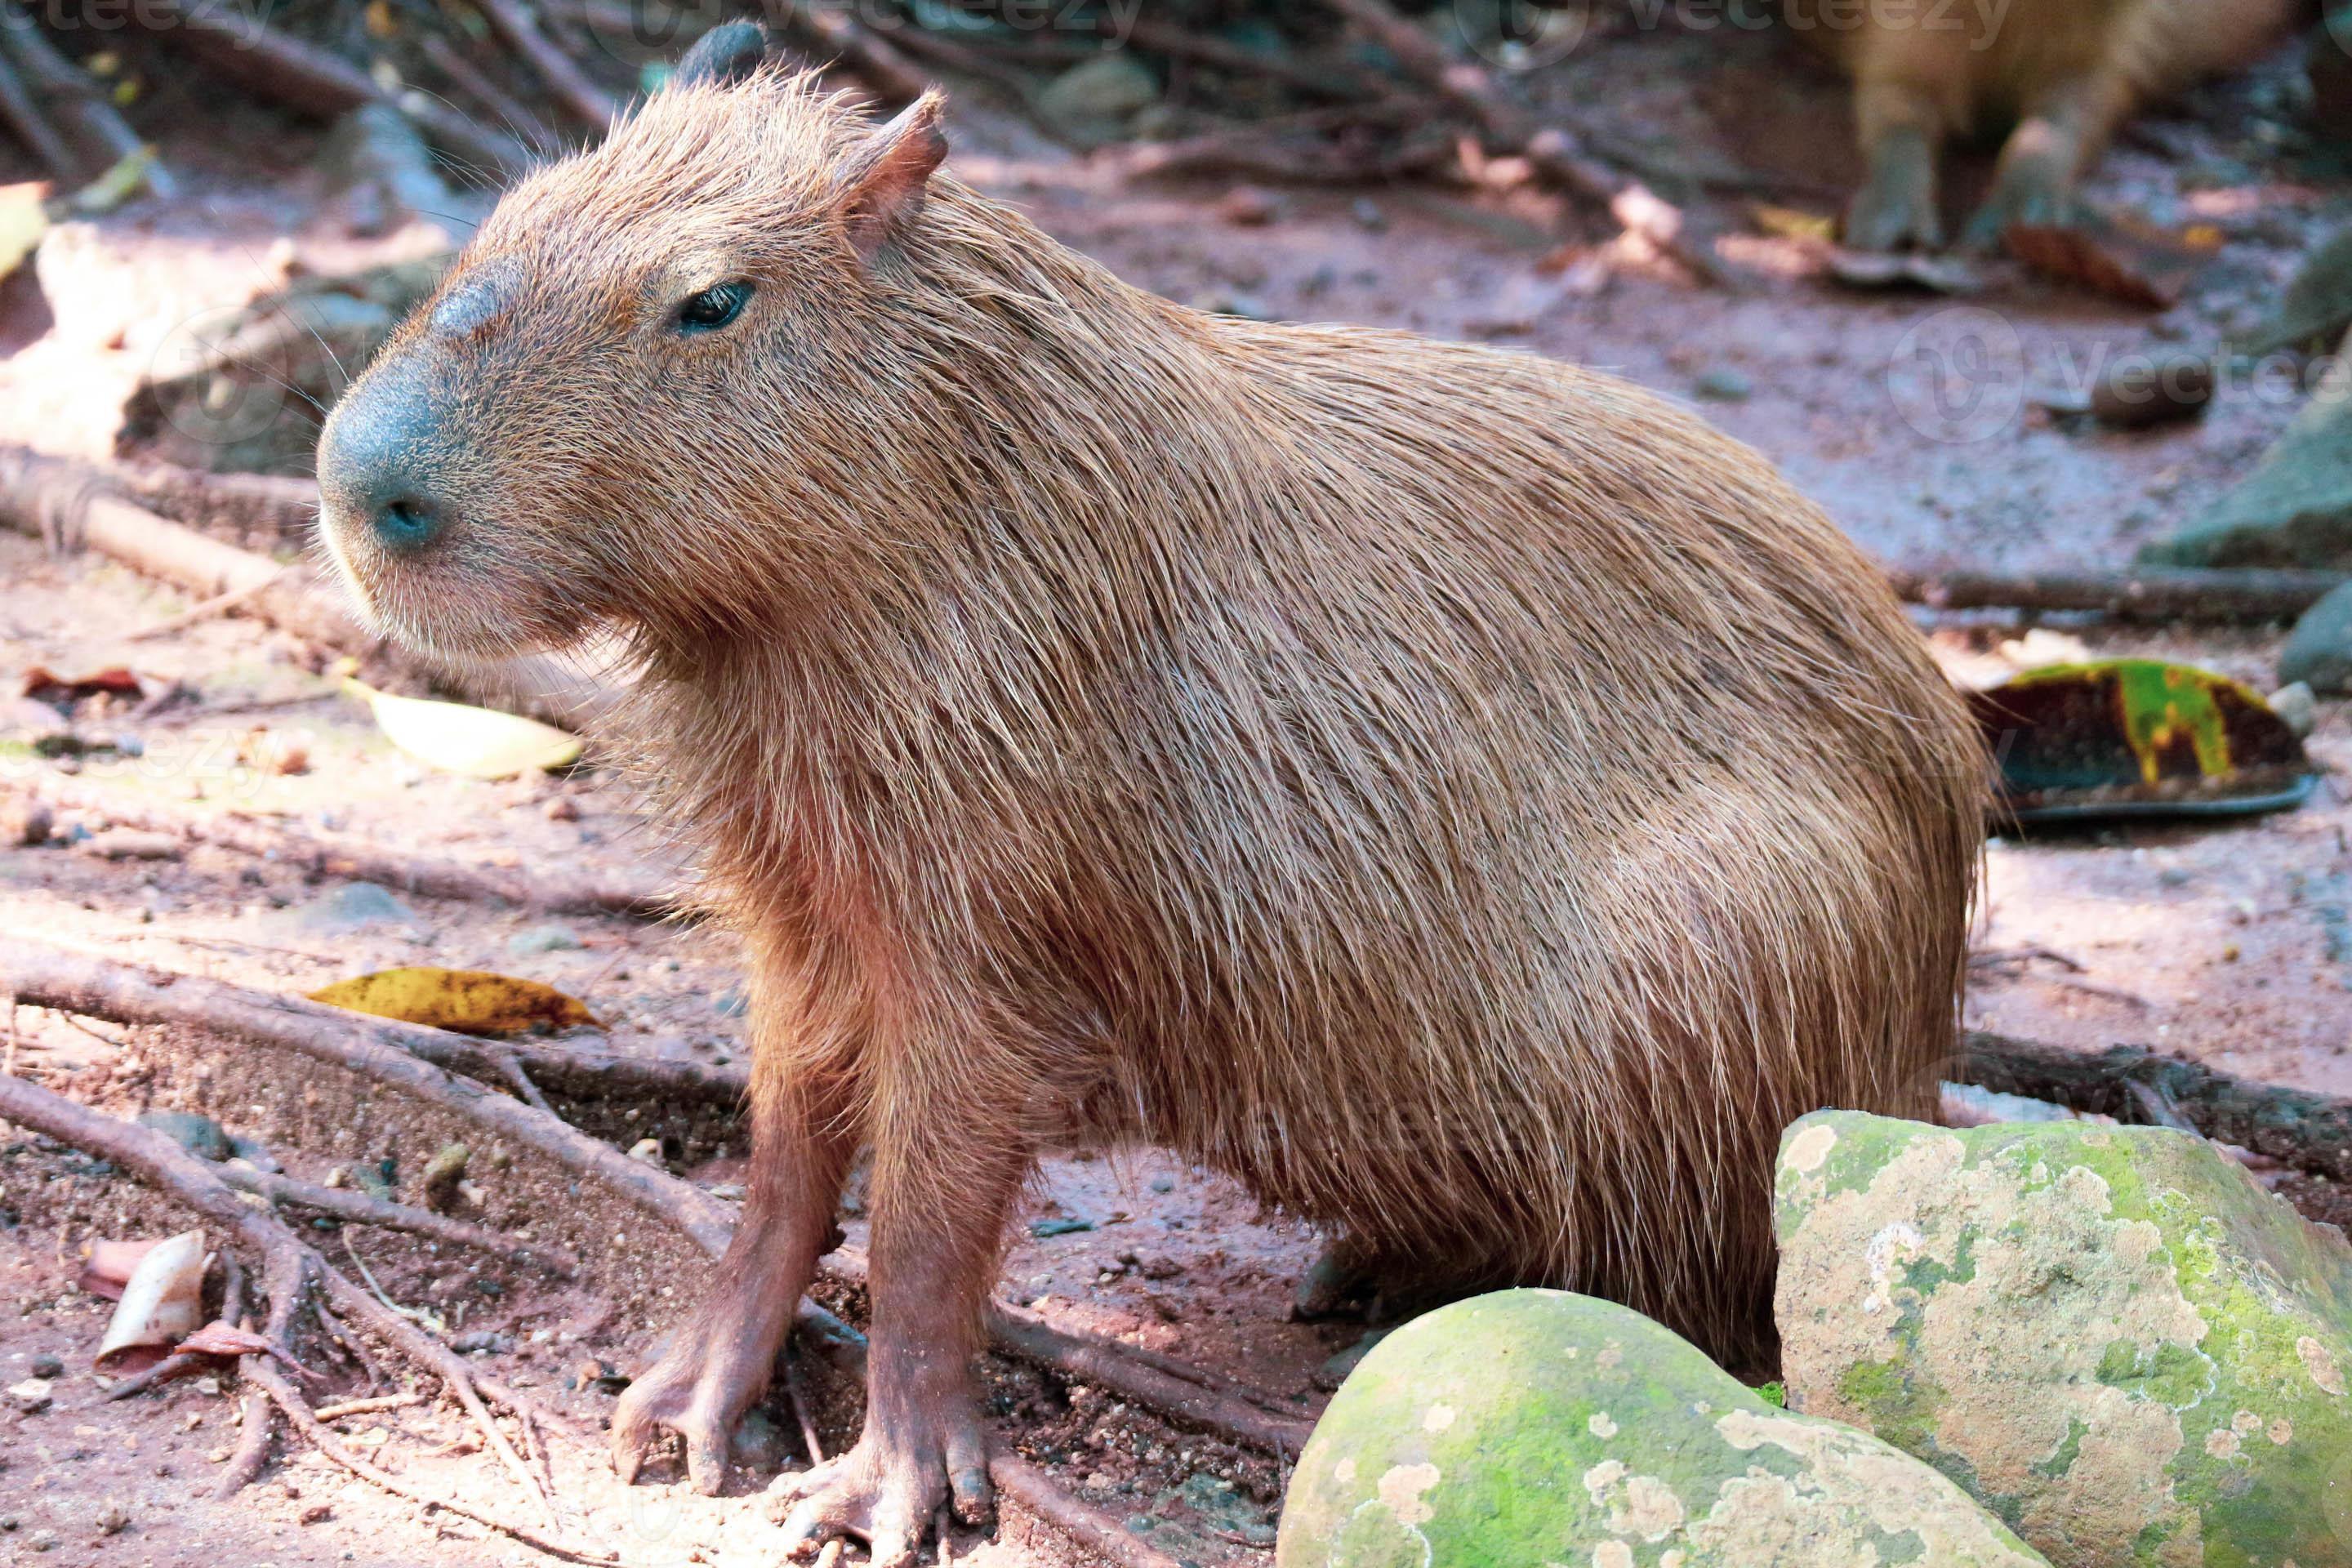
(2113, 1337)
(1539, 1429)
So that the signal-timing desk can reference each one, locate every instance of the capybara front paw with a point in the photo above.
(691, 1395)
(2031, 193)
(886, 1491)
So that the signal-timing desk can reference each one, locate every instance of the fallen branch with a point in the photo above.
(644, 893)
(2296, 1127)
(102, 138)
(566, 82)
(402, 1056)
(71, 505)
(1092, 1529)
(883, 64)
(2156, 595)
(1556, 153)
(517, 116)
(29, 125)
(319, 83)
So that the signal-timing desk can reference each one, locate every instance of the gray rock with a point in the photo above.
(1721, 384)
(199, 1135)
(1096, 95)
(552, 937)
(355, 907)
(2320, 652)
(2294, 509)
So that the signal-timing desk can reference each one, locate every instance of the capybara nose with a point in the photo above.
(375, 463)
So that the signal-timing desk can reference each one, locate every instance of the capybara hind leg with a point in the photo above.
(2061, 134)
(1901, 136)
(719, 1362)
(937, 1232)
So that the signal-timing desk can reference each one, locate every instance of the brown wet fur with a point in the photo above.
(1466, 798)
(2059, 77)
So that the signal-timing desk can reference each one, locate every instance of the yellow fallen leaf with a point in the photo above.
(23, 221)
(124, 179)
(470, 1001)
(479, 742)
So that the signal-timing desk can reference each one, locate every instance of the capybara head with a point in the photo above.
(643, 348)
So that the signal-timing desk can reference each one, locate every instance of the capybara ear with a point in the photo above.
(723, 57)
(889, 175)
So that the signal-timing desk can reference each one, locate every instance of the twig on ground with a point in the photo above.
(336, 1412)
(1093, 1530)
(220, 604)
(358, 1208)
(2295, 1127)
(797, 1395)
(2148, 595)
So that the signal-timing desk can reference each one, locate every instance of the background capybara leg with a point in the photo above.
(2063, 132)
(939, 1222)
(719, 1362)
(1902, 131)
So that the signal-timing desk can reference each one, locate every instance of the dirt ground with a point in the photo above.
(2230, 943)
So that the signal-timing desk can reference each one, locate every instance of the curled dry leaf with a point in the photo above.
(162, 1303)
(107, 1265)
(469, 1001)
(479, 743)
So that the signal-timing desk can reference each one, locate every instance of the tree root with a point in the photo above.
(2296, 1127)
(1186, 1394)
(2154, 595)
(290, 1261)
(403, 1056)
(1091, 1528)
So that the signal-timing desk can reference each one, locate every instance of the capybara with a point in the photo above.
(1468, 800)
(2060, 76)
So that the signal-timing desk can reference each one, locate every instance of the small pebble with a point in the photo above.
(1723, 384)
(111, 1519)
(1368, 216)
(562, 809)
(1249, 206)
(49, 1366)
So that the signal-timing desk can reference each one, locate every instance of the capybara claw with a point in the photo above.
(658, 1403)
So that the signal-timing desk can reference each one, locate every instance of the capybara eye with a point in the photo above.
(713, 308)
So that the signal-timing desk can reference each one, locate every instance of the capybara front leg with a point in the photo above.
(937, 1231)
(2060, 135)
(719, 1363)
(1901, 132)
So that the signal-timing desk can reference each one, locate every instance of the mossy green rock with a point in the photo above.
(1539, 1429)
(2113, 1337)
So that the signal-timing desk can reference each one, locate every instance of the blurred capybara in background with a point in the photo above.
(2059, 75)
(1469, 800)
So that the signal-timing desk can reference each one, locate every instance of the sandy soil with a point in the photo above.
(2232, 944)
